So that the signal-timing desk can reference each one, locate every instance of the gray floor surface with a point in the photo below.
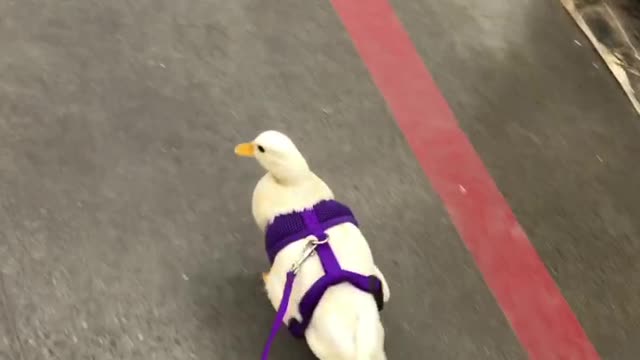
(126, 226)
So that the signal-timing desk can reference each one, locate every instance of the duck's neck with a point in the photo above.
(291, 173)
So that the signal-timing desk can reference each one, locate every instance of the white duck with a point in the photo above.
(345, 324)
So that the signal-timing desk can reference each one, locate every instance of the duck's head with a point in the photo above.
(277, 154)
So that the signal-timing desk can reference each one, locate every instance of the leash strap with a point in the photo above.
(282, 310)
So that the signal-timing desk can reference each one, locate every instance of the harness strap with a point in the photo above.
(369, 284)
(328, 259)
(313, 224)
(334, 275)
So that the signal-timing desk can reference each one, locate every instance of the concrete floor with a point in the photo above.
(125, 221)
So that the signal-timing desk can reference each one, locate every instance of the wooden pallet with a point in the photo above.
(613, 27)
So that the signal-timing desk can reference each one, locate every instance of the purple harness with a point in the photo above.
(288, 228)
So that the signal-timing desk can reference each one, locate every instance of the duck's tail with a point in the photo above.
(369, 337)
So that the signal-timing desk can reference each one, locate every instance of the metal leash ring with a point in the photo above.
(315, 241)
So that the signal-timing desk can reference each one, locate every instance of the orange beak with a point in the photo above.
(245, 150)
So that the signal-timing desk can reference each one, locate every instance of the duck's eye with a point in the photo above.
(260, 148)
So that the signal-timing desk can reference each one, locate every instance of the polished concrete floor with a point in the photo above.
(125, 222)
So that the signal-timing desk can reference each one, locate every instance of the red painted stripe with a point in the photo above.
(530, 299)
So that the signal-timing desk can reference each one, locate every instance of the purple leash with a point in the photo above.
(286, 295)
(282, 310)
